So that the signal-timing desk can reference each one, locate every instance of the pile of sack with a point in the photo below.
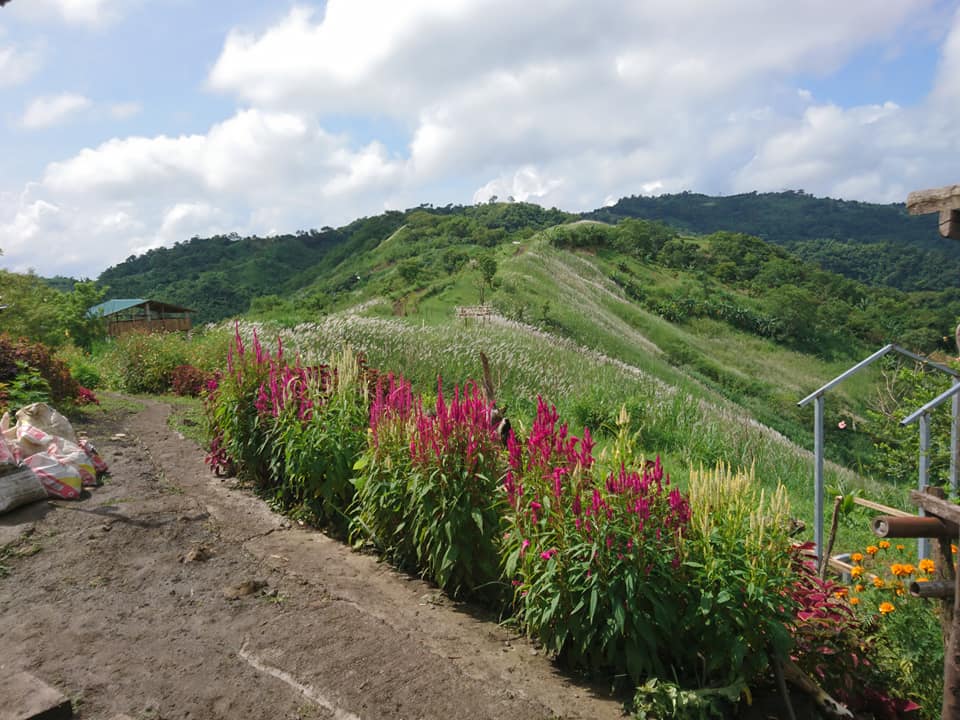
(41, 456)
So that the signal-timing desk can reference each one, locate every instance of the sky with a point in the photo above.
(127, 125)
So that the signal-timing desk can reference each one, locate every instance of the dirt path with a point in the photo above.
(109, 599)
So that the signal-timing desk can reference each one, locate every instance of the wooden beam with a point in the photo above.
(921, 202)
(886, 510)
(943, 509)
(887, 526)
(933, 589)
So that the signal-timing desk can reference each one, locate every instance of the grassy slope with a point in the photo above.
(694, 391)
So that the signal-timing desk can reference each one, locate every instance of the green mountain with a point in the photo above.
(876, 244)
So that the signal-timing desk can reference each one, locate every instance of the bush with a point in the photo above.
(429, 489)
(143, 362)
(294, 431)
(29, 372)
(593, 560)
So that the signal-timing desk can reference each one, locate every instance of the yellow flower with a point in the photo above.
(858, 587)
(927, 566)
(899, 592)
(871, 550)
(886, 608)
(900, 547)
(857, 557)
(878, 582)
(884, 544)
(856, 572)
(854, 601)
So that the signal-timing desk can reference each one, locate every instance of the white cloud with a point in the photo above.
(125, 110)
(90, 13)
(251, 173)
(17, 65)
(563, 103)
(44, 112)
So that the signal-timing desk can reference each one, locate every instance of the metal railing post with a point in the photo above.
(818, 476)
(954, 441)
(924, 472)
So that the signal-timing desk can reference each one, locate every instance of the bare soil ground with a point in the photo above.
(167, 593)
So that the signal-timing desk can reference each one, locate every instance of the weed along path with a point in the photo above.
(170, 594)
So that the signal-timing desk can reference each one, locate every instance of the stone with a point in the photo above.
(26, 697)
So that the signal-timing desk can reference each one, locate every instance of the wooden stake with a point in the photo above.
(825, 558)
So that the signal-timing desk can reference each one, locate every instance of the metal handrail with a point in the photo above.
(892, 347)
(818, 436)
(933, 404)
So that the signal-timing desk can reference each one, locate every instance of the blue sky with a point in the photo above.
(129, 124)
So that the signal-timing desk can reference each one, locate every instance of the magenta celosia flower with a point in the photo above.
(547, 554)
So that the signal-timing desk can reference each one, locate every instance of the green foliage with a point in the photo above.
(905, 389)
(25, 387)
(29, 372)
(875, 244)
(593, 558)
(657, 699)
(428, 488)
(39, 312)
(143, 362)
(905, 631)
(739, 556)
(295, 432)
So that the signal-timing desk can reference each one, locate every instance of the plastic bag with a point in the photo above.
(20, 488)
(66, 453)
(99, 464)
(59, 480)
(45, 418)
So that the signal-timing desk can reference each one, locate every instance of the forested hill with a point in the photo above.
(876, 244)
(222, 276)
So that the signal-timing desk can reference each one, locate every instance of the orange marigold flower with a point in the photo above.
(856, 572)
(926, 565)
(901, 547)
(886, 608)
(953, 548)
(858, 587)
(900, 592)
(841, 593)
(902, 570)
(857, 557)
(923, 579)
(871, 550)
(854, 601)
(884, 544)
(878, 582)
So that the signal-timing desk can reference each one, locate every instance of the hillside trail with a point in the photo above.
(168, 593)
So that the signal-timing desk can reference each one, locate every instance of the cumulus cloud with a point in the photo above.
(125, 110)
(562, 103)
(44, 112)
(90, 13)
(17, 65)
(255, 171)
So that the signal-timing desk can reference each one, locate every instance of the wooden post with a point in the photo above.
(951, 663)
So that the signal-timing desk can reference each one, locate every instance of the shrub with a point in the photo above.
(143, 362)
(429, 488)
(906, 641)
(738, 563)
(189, 381)
(294, 431)
(593, 560)
(384, 471)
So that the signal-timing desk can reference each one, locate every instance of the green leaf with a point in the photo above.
(477, 518)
